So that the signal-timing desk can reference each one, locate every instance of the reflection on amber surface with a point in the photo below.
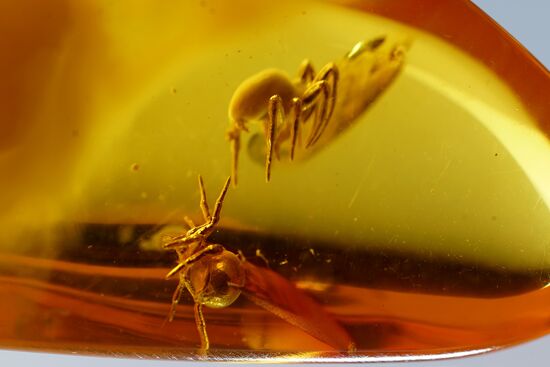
(422, 229)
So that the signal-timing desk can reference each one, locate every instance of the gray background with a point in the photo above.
(527, 20)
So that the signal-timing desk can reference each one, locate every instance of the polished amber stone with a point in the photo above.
(420, 227)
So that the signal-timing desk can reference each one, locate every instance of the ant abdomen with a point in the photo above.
(216, 280)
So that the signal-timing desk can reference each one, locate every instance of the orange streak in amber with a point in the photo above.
(391, 322)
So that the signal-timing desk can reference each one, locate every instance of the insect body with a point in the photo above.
(317, 105)
(215, 277)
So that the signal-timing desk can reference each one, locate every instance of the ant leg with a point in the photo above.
(175, 269)
(330, 74)
(183, 240)
(215, 218)
(262, 256)
(175, 300)
(195, 257)
(296, 110)
(203, 202)
(289, 130)
(189, 222)
(319, 90)
(234, 137)
(275, 119)
(306, 73)
(203, 231)
(178, 241)
(201, 327)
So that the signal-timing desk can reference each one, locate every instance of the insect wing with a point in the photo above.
(277, 295)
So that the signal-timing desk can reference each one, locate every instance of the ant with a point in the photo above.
(215, 277)
(335, 97)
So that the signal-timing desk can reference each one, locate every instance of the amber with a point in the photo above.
(421, 229)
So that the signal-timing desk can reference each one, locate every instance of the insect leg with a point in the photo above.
(296, 110)
(312, 96)
(306, 73)
(330, 74)
(179, 241)
(234, 137)
(189, 222)
(201, 327)
(185, 239)
(175, 300)
(196, 256)
(200, 233)
(275, 119)
(203, 202)
(262, 256)
(289, 128)
(328, 71)
(175, 269)
(214, 219)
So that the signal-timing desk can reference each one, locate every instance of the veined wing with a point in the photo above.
(276, 294)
